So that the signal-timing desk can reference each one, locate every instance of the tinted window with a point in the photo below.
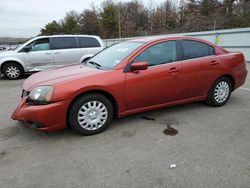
(194, 49)
(64, 42)
(162, 53)
(88, 42)
(40, 45)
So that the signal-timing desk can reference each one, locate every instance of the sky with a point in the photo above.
(25, 18)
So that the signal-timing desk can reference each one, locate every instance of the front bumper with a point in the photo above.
(49, 117)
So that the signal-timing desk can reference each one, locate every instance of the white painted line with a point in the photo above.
(245, 88)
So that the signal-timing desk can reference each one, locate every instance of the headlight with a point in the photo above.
(41, 94)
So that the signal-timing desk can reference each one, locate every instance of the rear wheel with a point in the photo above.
(90, 114)
(220, 92)
(12, 71)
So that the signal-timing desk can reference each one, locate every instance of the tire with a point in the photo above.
(220, 92)
(12, 71)
(90, 114)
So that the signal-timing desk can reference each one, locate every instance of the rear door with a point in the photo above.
(89, 45)
(65, 50)
(200, 68)
(158, 84)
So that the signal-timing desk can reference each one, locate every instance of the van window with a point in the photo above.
(88, 42)
(64, 42)
(40, 45)
(195, 49)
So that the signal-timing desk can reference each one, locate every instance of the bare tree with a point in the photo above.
(89, 22)
(133, 18)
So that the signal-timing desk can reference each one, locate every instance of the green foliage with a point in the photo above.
(70, 24)
(51, 28)
(109, 21)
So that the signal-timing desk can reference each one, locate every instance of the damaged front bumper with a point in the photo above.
(49, 117)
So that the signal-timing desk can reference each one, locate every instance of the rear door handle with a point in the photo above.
(57, 53)
(47, 53)
(173, 70)
(214, 62)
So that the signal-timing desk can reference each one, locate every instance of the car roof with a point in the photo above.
(165, 37)
(44, 36)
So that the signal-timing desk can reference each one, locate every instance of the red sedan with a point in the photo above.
(127, 78)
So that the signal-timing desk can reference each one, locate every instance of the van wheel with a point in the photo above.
(220, 92)
(90, 114)
(12, 71)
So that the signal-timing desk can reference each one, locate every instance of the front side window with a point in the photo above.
(195, 49)
(88, 42)
(64, 42)
(161, 53)
(40, 45)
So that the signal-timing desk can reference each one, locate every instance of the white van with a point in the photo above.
(46, 52)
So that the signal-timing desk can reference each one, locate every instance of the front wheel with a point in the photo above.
(220, 92)
(12, 71)
(90, 114)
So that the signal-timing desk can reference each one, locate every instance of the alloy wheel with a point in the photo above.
(12, 72)
(221, 92)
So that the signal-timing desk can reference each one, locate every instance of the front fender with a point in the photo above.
(13, 59)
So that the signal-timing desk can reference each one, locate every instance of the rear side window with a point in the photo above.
(88, 42)
(195, 49)
(64, 42)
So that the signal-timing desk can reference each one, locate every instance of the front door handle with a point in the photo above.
(47, 53)
(57, 53)
(214, 62)
(173, 70)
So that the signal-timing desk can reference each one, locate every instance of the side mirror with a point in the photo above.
(26, 48)
(139, 66)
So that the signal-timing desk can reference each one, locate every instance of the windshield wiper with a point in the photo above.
(97, 65)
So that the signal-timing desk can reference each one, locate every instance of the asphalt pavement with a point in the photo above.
(207, 147)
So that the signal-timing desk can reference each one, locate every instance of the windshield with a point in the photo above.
(20, 46)
(112, 56)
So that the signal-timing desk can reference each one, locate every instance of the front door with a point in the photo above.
(39, 57)
(159, 83)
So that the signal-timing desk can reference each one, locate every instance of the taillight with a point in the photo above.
(241, 58)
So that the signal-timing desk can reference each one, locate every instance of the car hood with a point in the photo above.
(7, 53)
(58, 75)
